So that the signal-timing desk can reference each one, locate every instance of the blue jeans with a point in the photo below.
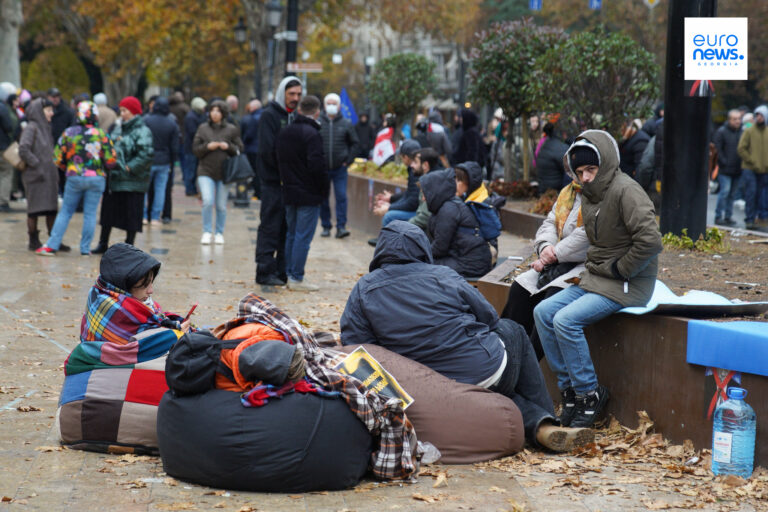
(158, 179)
(301, 221)
(755, 195)
(396, 215)
(189, 172)
(560, 322)
(89, 190)
(213, 191)
(727, 195)
(338, 178)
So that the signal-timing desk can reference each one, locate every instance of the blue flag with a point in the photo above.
(347, 108)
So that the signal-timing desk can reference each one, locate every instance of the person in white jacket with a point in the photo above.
(561, 246)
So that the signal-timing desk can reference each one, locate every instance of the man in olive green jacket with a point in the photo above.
(753, 151)
(621, 267)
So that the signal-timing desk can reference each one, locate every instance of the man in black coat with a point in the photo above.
(165, 139)
(192, 121)
(549, 162)
(729, 167)
(270, 242)
(339, 145)
(299, 149)
(63, 117)
(366, 136)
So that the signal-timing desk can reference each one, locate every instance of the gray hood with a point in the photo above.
(608, 154)
(280, 93)
(399, 243)
(438, 187)
(123, 265)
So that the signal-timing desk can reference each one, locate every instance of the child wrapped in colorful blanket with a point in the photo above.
(115, 377)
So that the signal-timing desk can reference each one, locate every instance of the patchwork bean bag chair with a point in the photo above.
(298, 443)
(466, 423)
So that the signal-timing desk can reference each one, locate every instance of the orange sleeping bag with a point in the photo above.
(253, 333)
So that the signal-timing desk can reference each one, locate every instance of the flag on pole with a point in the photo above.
(383, 148)
(347, 108)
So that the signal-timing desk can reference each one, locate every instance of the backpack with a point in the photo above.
(193, 362)
(487, 218)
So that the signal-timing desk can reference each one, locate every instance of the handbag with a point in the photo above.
(552, 271)
(237, 168)
(11, 154)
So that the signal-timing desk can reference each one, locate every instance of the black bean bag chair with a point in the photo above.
(298, 443)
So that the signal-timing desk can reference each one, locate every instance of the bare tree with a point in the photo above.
(10, 20)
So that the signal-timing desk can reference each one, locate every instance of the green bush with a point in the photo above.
(56, 67)
(712, 242)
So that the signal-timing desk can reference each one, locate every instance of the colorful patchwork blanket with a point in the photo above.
(115, 377)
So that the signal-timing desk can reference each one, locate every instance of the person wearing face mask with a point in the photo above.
(753, 150)
(339, 144)
(40, 178)
(299, 149)
(270, 242)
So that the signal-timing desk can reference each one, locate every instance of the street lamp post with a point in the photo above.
(274, 14)
(369, 63)
(241, 35)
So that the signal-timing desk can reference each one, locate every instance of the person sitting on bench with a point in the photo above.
(453, 228)
(430, 314)
(621, 268)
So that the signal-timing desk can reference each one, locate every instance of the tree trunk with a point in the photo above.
(526, 148)
(508, 155)
(10, 20)
(117, 88)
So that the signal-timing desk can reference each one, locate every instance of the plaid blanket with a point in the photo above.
(397, 454)
(118, 330)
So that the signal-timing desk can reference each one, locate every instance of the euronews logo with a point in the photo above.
(715, 48)
(720, 47)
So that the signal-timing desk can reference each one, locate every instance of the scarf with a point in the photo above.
(119, 330)
(564, 205)
(396, 454)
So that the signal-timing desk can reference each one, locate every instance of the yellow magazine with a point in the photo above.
(363, 366)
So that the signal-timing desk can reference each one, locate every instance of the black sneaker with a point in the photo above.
(325, 233)
(342, 233)
(64, 248)
(724, 222)
(271, 280)
(373, 241)
(100, 249)
(589, 407)
(568, 406)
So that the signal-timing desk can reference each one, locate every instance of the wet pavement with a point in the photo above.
(41, 304)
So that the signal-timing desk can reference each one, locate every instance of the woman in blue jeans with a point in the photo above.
(85, 153)
(214, 142)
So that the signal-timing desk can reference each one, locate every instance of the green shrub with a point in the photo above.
(56, 67)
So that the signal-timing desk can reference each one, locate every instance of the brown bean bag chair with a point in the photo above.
(466, 423)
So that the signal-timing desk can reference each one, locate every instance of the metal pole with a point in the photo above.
(257, 75)
(686, 123)
(271, 52)
(291, 27)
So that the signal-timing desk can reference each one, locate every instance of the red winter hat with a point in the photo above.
(131, 104)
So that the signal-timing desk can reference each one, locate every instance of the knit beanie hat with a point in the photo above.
(131, 104)
(583, 155)
(198, 104)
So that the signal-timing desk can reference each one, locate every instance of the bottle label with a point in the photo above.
(721, 447)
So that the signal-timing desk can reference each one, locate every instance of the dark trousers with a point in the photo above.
(522, 380)
(189, 171)
(519, 308)
(270, 242)
(167, 205)
(338, 179)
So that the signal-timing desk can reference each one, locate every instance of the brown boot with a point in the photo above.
(34, 240)
(563, 439)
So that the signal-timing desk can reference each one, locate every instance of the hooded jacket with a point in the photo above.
(470, 146)
(124, 265)
(192, 122)
(453, 228)
(339, 140)
(274, 118)
(727, 142)
(7, 126)
(63, 117)
(753, 145)
(165, 132)
(211, 162)
(299, 149)
(620, 222)
(632, 152)
(36, 150)
(84, 149)
(134, 147)
(442, 321)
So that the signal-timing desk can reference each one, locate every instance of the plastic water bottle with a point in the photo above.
(733, 436)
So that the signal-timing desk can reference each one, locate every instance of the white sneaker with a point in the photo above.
(219, 239)
(206, 238)
(301, 286)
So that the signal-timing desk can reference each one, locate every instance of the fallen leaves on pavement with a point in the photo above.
(622, 456)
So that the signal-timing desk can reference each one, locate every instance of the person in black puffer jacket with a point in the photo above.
(633, 144)
(165, 137)
(453, 228)
(549, 162)
(470, 145)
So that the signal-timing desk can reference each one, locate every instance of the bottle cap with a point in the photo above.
(737, 393)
